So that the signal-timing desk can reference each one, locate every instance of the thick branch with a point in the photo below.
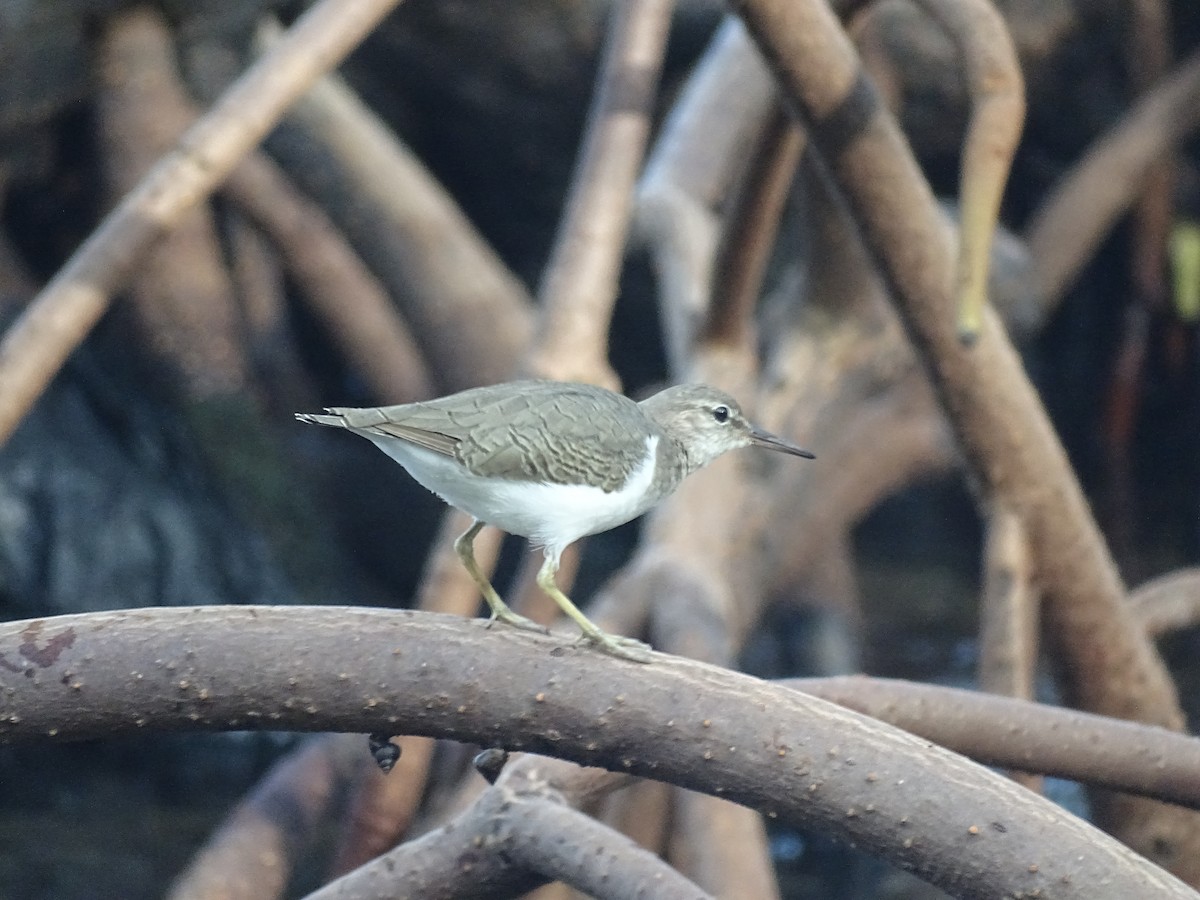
(790, 755)
(1108, 664)
(1028, 737)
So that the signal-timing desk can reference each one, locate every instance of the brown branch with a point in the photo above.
(1030, 737)
(762, 745)
(903, 421)
(1168, 603)
(1008, 631)
(382, 807)
(1106, 662)
(1008, 644)
(552, 839)
(722, 847)
(181, 293)
(456, 859)
(472, 316)
(751, 226)
(694, 165)
(579, 286)
(705, 604)
(342, 292)
(997, 90)
(34, 348)
(643, 812)
(1066, 229)
(255, 851)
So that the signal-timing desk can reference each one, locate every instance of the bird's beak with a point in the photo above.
(760, 438)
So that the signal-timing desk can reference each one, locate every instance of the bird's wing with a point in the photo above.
(555, 432)
(566, 435)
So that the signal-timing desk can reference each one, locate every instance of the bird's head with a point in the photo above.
(708, 422)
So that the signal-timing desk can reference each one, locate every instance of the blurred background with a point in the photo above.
(164, 467)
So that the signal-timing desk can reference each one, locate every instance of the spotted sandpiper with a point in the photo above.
(554, 461)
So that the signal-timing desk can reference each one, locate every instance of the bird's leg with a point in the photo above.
(464, 546)
(626, 648)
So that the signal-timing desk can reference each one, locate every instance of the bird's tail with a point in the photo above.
(336, 420)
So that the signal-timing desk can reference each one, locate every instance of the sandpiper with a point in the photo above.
(554, 461)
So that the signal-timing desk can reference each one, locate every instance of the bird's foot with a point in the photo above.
(618, 645)
(516, 620)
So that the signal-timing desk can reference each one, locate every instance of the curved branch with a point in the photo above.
(1168, 603)
(1065, 230)
(1028, 737)
(986, 52)
(548, 837)
(790, 755)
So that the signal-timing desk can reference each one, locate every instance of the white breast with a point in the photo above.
(550, 515)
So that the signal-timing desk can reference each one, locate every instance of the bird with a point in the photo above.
(553, 462)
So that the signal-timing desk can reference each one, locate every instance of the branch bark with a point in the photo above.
(997, 90)
(1028, 737)
(793, 756)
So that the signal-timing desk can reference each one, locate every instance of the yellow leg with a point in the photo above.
(626, 648)
(501, 611)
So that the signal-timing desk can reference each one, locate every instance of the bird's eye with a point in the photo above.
(721, 414)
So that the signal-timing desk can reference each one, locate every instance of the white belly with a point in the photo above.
(550, 515)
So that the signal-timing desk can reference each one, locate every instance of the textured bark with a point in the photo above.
(794, 757)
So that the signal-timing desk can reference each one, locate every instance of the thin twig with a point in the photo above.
(750, 229)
